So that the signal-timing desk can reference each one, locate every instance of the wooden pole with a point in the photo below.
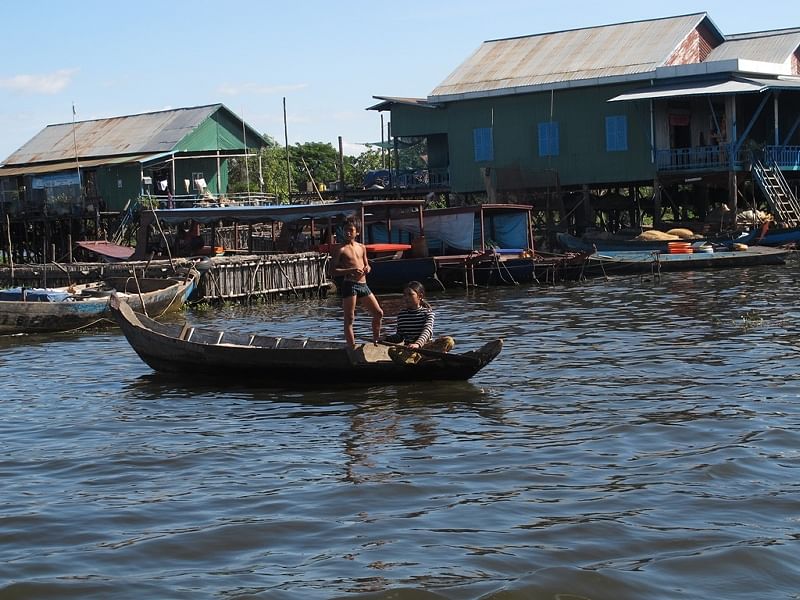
(10, 248)
(383, 141)
(288, 166)
(311, 177)
(341, 169)
(246, 157)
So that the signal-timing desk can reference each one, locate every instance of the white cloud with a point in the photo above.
(233, 89)
(47, 83)
(353, 148)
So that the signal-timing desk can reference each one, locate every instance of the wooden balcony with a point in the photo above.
(722, 158)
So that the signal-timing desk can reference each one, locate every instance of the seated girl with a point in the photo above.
(415, 322)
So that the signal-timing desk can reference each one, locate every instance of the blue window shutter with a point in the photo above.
(554, 141)
(548, 139)
(616, 133)
(483, 144)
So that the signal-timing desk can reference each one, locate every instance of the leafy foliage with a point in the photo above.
(319, 159)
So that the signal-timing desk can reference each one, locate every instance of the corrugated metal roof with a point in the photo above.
(135, 134)
(388, 101)
(67, 165)
(625, 49)
(776, 47)
(732, 85)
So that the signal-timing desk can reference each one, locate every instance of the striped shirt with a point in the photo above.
(414, 326)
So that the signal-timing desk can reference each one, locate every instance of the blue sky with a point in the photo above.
(328, 59)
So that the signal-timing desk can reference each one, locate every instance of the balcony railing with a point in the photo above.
(422, 178)
(211, 200)
(719, 157)
(697, 158)
(786, 157)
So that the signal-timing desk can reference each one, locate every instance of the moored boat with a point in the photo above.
(487, 245)
(192, 351)
(633, 262)
(79, 306)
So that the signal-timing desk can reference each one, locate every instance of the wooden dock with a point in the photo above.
(224, 278)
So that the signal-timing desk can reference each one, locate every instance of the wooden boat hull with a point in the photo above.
(496, 270)
(628, 263)
(157, 296)
(575, 244)
(180, 350)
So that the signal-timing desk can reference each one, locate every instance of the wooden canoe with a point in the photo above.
(194, 351)
(75, 307)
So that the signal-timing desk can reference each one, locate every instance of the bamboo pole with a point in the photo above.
(311, 177)
(10, 248)
(341, 169)
(288, 166)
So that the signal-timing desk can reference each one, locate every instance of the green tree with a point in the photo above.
(244, 176)
(320, 158)
(355, 167)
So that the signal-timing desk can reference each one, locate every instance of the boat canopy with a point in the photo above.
(283, 213)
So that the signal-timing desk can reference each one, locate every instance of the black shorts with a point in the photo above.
(351, 288)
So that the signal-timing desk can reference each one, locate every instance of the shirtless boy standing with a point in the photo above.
(349, 263)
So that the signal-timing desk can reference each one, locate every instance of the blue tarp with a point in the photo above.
(33, 295)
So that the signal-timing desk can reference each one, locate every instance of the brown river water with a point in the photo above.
(636, 439)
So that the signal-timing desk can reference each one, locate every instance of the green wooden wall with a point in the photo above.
(580, 114)
(117, 184)
(220, 131)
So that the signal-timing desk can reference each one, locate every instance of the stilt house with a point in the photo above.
(79, 168)
(623, 117)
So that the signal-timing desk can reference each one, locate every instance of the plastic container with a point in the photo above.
(679, 247)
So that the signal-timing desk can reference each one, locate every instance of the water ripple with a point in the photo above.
(637, 438)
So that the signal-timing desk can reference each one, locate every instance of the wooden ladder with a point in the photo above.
(780, 198)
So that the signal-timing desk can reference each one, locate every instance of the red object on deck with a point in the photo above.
(387, 247)
(374, 248)
(107, 249)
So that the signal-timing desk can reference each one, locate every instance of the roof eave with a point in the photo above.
(387, 102)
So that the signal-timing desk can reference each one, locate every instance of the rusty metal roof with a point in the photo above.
(766, 46)
(66, 165)
(576, 57)
(145, 133)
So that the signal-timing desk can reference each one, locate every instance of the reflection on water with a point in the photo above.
(637, 438)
